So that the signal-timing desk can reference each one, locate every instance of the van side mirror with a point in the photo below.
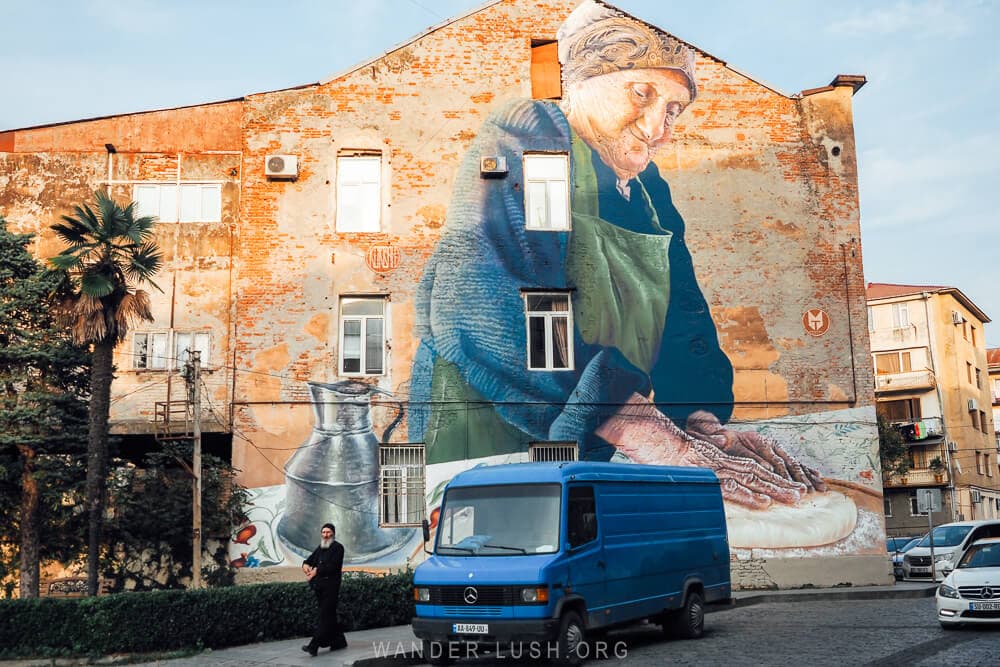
(426, 525)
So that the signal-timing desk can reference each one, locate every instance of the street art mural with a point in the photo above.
(561, 305)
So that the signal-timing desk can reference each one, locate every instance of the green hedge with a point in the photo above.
(177, 620)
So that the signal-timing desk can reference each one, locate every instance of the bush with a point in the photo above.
(209, 618)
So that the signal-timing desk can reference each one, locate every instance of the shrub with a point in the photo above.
(172, 620)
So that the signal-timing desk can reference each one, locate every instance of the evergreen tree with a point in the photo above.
(44, 380)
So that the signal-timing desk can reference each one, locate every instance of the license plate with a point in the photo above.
(984, 606)
(919, 569)
(470, 628)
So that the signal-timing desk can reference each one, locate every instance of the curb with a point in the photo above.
(840, 594)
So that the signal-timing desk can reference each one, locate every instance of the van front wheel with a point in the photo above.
(688, 622)
(571, 645)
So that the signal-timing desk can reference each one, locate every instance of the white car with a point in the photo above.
(971, 593)
(950, 541)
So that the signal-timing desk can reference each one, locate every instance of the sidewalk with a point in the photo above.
(396, 645)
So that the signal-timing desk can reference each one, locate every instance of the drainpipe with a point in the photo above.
(937, 388)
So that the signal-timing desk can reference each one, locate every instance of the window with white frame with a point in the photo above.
(160, 350)
(401, 485)
(183, 202)
(549, 320)
(887, 506)
(546, 192)
(913, 505)
(900, 315)
(359, 193)
(553, 451)
(871, 318)
(893, 362)
(362, 335)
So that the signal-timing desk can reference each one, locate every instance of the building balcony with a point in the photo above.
(916, 477)
(907, 381)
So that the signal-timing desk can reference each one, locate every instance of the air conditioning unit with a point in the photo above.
(493, 166)
(956, 317)
(976, 496)
(973, 404)
(281, 166)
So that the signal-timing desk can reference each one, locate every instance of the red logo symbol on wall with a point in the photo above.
(816, 322)
(381, 258)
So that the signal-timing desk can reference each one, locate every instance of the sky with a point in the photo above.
(925, 124)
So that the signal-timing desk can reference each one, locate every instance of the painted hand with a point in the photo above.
(759, 448)
(645, 435)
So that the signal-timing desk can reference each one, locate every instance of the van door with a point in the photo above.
(586, 563)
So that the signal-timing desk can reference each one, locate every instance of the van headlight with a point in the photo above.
(535, 595)
(421, 594)
(946, 591)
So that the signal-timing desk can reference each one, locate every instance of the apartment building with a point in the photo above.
(931, 382)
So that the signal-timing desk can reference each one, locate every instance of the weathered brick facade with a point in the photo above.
(766, 184)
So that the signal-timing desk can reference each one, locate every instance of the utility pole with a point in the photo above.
(194, 387)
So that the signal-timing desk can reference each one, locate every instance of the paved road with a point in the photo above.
(881, 633)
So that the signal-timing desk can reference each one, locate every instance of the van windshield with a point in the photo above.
(502, 520)
(946, 536)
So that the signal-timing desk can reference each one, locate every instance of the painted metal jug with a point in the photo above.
(333, 477)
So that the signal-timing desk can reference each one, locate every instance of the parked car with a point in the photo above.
(950, 541)
(971, 592)
(897, 548)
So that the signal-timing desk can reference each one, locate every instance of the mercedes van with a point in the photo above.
(950, 542)
(538, 555)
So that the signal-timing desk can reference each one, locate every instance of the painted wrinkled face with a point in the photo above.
(327, 537)
(627, 115)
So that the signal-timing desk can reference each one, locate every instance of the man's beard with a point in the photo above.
(326, 544)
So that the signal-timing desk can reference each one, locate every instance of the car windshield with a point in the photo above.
(946, 536)
(981, 555)
(501, 520)
(909, 545)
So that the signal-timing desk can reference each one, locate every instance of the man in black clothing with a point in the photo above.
(323, 569)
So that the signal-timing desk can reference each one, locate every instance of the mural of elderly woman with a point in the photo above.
(595, 332)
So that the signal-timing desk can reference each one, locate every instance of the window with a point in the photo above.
(972, 331)
(979, 463)
(918, 458)
(546, 77)
(887, 506)
(185, 341)
(984, 425)
(903, 410)
(871, 319)
(892, 362)
(987, 466)
(546, 192)
(979, 379)
(185, 202)
(968, 372)
(362, 336)
(900, 315)
(359, 193)
(996, 390)
(401, 485)
(552, 451)
(149, 350)
(913, 508)
(581, 517)
(550, 331)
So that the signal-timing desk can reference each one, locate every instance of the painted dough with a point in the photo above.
(817, 519)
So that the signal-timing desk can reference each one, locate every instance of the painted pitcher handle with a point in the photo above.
(395, 422)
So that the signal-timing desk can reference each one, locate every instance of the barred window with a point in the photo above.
(401, 485)
(552, 451)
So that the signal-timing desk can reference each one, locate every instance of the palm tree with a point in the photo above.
(109, 253)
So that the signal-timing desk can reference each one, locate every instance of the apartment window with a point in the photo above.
(972, 333)
(979, 379)
(902, 410)
(402, 481)
(918, 458)
(975, 418)
(979, 463)
(984, 424)
(996, 390)
(184, 202)
(550, 331)
(987, 466)
(362, 335)
(900, 315)
(150, 349)
(871, 319)
(892, 362)
(359, 193)
(965, 329)
(552, 451)
(546, 192)
(968, 372)
(913, 505)
(546, 77)
(887, 506)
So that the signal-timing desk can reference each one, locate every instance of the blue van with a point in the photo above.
(545, 553)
